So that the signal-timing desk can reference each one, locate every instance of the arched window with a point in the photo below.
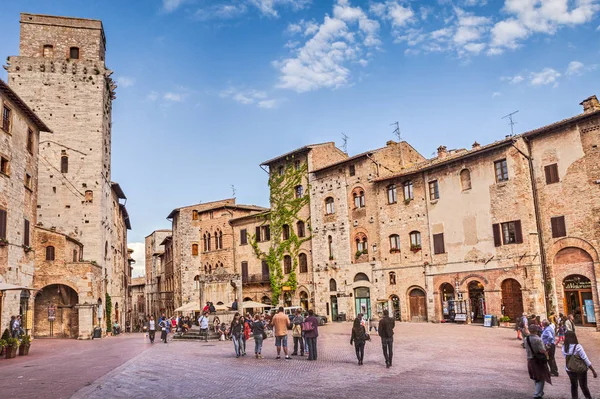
(195, 249)
(330, 246)
(287, 264)
(64, 164)
(218, 239)
(332, 285)
(209, 269)
(74, 255)
(394, 243)
(49, 252)
(208, 241)
(285, 232)
(299, 191)
(205, 241)
(303, 263)
(465, 179)
(300, 229)
(361, 277)
(392, 278)
(361, 244)
(197, 282)
(391, 194)
(74, 53)
(205, 269)
(359, 199)
(408, 190)
(415, 240)
(329, 206)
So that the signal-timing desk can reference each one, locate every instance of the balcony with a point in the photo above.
(256, 279)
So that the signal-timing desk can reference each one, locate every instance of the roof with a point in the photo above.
(254, 215)
(125, 216)
(117, 189)
(349, 159)
(164, 242)
(560, 124)
(138, 281)
(202, 206)
(160, 231)
(13, 97)
(306, 148)
(218, 205)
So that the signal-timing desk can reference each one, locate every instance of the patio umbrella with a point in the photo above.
(255, 305)
(188, 307)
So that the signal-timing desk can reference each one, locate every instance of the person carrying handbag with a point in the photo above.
(577, 365)
(537, 361)
(359, 337)
(297, 333)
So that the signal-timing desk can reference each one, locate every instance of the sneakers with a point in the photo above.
(278, 357)
(294, 354)
(260, 356)
(288, 358)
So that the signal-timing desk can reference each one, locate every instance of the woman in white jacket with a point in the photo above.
(572, 348)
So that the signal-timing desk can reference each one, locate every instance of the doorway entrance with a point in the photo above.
(578, 299)
(512, 299)
(56, 314)
(477, 301)
(447, 297)
(395, 307)
(418, 308)
(334, 307)
(362, 297)
(304, 300)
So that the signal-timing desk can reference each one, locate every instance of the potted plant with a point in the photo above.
(358, 254)
(415, 248)
(2, 346)
(27, 248)
(504, 321)
(395, 250)
(24, 346)
(12, 344)
(3, 242)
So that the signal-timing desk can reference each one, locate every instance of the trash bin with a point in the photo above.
(97, 333)
(342, 317)
(495, 321)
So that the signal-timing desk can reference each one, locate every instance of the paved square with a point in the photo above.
(430, 361)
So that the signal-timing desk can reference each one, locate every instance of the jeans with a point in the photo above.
(360, 350)
(243, 344)
(151, 335)
(388, 349)
(312, 348)
(551, 360)
(258, 341)
(539, 389)
(581, 380)
(163, 336)
(236, 344)
(299, 341)
(204, 331)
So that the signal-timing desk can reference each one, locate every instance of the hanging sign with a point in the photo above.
(577, 283)
(51, 313)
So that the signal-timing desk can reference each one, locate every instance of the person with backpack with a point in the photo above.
(537, 361)
(359, 337)
(311, 333)
(577, 365)
(297, 333)
(164, 325)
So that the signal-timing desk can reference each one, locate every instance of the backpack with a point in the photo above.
(307, 326)
(211, 308)
(297, 330)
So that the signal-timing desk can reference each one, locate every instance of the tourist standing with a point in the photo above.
(280, 323)
(578, 377)
(386, 332)
(561, 330)
(164, 325)
(234, 305)
(237, 332)
(297, 333)
(311, 333)
(524, 327)
(537, 361)
(203, 322)
(258, 330)
(358, 338)
(548, 340)
(151, 329)
(570, 323)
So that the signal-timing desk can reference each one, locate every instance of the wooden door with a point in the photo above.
(418, 310)
(512, 298)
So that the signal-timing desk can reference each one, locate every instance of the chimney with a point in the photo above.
(442, 152)
(476, 145)
(590, 104)
(390, 143)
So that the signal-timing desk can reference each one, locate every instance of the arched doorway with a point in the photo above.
(447, 298)
(287, 298)
(395, 307)
(266, 300)
(304, 300)
(512, 299)
(578, 299)
(477, 301)
(418, 307)
(56, 314)
(362, 299)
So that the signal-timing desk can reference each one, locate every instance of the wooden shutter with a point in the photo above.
(258, 234)
(497, 236)
(267, 233)
(438, 243)
(518, 232)
(551, 172)
(26, 233)
(3, 223)
(243, 237)
(245, 271)
(559, 229)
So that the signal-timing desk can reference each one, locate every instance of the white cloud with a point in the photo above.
(221, 11)
(250, 96)
(575, 68)
(139, 255)
(152, 96)
(171, 5)
(545, 77)
(513, 80)
(496, 94)
(268, 7)
(125, 81)
(269, 104)
(175, 97)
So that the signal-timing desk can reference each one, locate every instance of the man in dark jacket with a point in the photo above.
(386, 332)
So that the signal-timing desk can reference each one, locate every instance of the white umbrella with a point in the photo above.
(252, 304)
(188, 307)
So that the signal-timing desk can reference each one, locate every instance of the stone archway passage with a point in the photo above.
(304, 300)
(579, 300)
(477, 301)
(418, 307)
(512, 299)
(56, 314)
(447, 298)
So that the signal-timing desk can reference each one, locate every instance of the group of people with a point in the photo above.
(540, 342)
(16, 326)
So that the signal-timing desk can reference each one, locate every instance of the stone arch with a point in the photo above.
(573, 242)
(361, 277)
(417, 303)
(62, 299)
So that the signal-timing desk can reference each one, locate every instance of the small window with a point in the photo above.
(30, 141)
(352, 170)
(559, 229)
(195, 249)
(551, 173)
(408, 191)
(49, 252)
(299, 191)
(3, 218)
(243, 237)
(362, 245)
(280, 171)
(287, 264)
(245, 272)
(194, 215)
(4, 166)
(359, 199)
(64, 164)
(197, 281)
(6, 114)
(263, 233)
(415, 240)
(74, 53)
(28, 181)
(330, 246)
(434, 191)
(438, 244)
(89, 196)
(285, 232)
(391, 194)
(465, 179)
(332, 285)
(26, 240)
(303, 263)
(300, 229)
(74, 255)
(507, 233)
(297, 165)
(48, 51)
(501, 170)
(392, 278)
(329, 206)
(394, 243)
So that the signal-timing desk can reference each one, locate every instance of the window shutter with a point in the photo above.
(267, 233)
(548, 171)
(518, 232)
(258, 234)
(243, 237)
(558, 226)
(438, 244)
(551, 172)
(497, 237)
(26, 233)
(2, 223)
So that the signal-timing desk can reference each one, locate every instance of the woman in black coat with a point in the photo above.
(359, 337)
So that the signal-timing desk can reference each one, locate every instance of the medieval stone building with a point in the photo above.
(154, 273)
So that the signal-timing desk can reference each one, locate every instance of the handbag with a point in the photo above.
(264, 335)
(307, 326)
(576, 364)
(537, 356)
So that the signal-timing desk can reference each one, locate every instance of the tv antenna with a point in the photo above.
(511, 122)
(233, 191)
(397, 131)
(344, 143)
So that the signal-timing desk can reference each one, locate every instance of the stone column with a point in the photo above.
(86, 321)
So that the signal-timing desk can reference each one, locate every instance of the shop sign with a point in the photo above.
(51, 313)
(460, 317)
(577, 283)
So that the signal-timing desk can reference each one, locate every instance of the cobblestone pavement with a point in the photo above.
(430, 361)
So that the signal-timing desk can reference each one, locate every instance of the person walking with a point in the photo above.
(524, 328)
(203, 322)
(151, 329)
(572, 348)
(280, 323)
(258, 331)
(386, 332)
(164, 325)
(560, 335)
(570, 323)
(311, 333)
(297, 333)
(549, 343)
(237, 331)
(358, 338)
(537, 361)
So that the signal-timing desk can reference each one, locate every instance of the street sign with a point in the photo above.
(51, 313)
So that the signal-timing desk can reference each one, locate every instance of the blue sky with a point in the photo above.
(209, 89)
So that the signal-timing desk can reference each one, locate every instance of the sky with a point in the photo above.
(209, 89)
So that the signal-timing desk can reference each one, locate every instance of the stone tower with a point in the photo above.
(61, 73)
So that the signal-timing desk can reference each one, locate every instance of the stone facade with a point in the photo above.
(19, 134)
(137, 292)
(154, 249)
(61, 73)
